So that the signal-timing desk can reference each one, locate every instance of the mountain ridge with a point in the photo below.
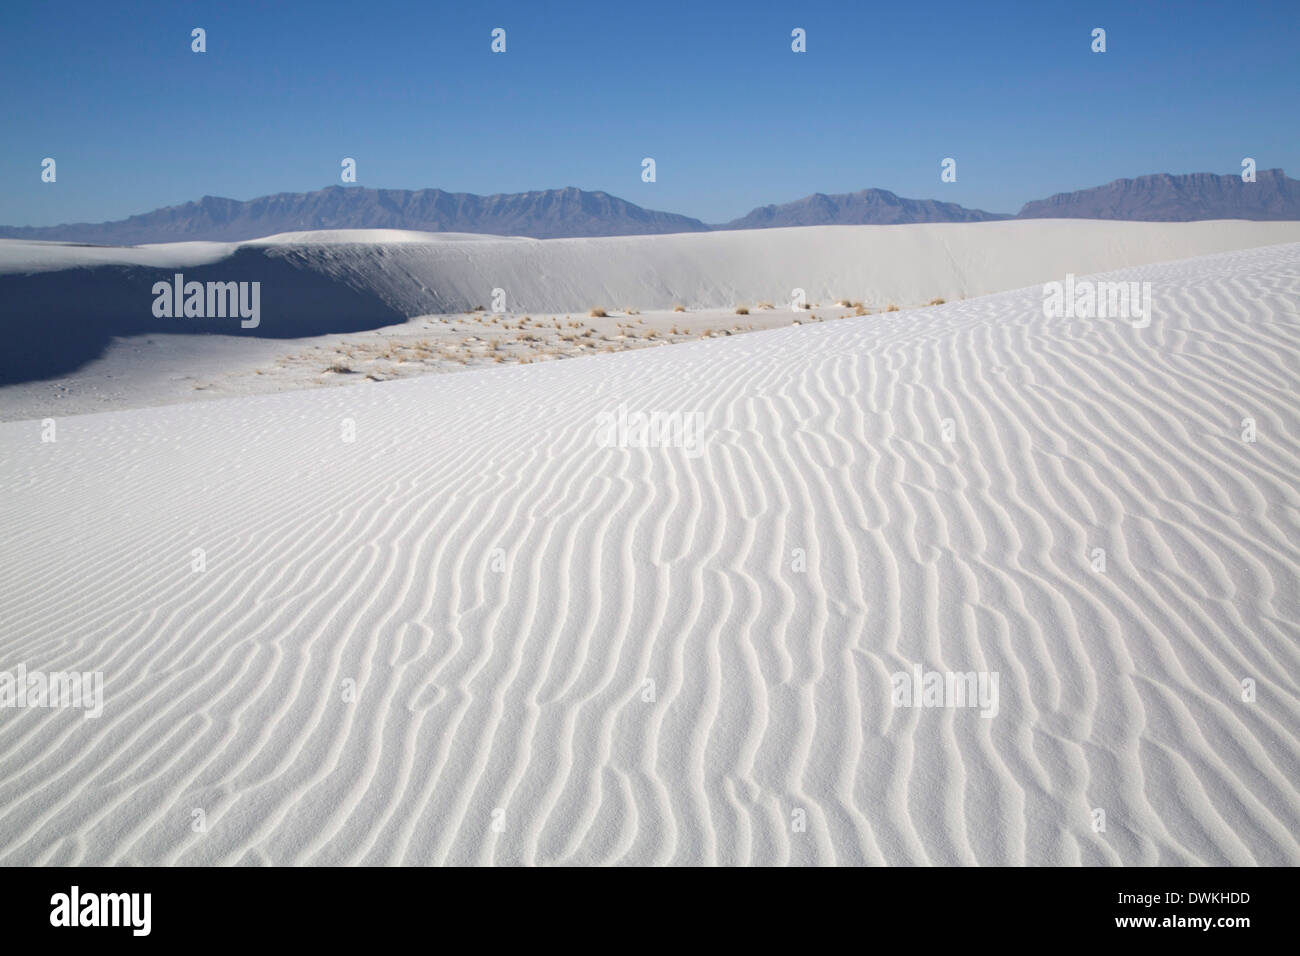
(573, 212)
(864, 207)
(545, 214)
(1185, 197)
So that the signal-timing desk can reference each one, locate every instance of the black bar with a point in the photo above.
(332, 907)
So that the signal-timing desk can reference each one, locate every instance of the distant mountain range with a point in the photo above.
(549, 214)
(1166, 198)
(865, 207)
(555, 213)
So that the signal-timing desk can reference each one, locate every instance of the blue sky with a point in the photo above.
(712, 91)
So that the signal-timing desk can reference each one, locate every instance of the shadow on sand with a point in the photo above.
(55, 322)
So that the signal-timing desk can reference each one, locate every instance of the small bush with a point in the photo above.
(891, 308)
(742, 310)
(598, 313)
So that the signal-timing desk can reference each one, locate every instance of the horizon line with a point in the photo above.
(712, 225)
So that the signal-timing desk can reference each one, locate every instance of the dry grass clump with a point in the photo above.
(679, 308)
(742, 310)
(859, 310)
(598, 313)
(891, 308)
(935, 302)
(340, 369)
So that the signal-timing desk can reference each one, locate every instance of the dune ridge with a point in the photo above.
(61, 304)
(523, 690)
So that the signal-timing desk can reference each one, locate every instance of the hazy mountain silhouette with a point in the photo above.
(547, 214)
(864, 207)
(1166, 198)
(554, 213)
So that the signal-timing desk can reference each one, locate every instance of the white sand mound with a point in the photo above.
(472, 634)
(346, 237)
(422, 273)
(62, 305)
(905, 264)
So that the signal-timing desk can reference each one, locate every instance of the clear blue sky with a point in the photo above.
(712, 91)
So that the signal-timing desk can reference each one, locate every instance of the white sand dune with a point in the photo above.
(422, 273)
(64, 307)
(501, 588)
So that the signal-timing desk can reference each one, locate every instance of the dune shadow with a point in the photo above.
(54, 323)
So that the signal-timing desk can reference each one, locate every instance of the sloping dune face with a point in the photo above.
(61, 304)
(528, 616)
